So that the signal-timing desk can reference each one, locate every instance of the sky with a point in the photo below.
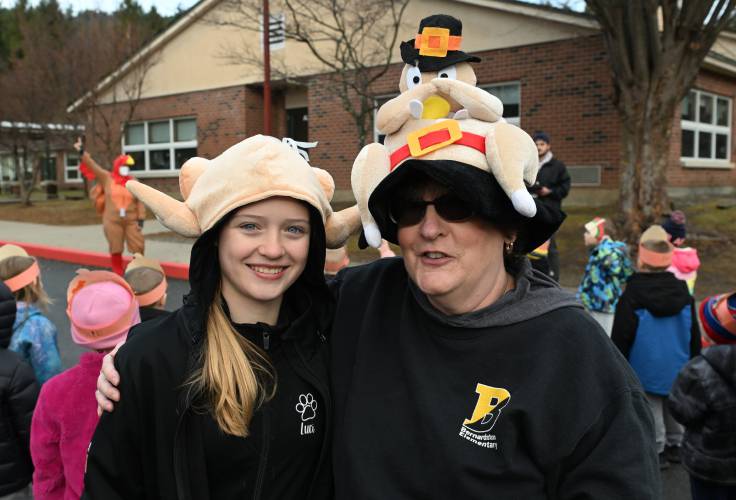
(164, 7)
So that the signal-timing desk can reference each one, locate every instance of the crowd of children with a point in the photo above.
(47, 446)
(650, 315)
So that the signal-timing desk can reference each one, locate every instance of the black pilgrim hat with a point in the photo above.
(437, 45)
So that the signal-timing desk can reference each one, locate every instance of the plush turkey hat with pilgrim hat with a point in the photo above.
(445, 127)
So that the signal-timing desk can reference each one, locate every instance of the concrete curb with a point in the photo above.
(173, 270)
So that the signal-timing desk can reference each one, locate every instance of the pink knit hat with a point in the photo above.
(102, 308)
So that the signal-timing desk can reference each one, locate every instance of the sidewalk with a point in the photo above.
(90, 239)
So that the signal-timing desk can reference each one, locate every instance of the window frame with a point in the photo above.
(68, 168)
(697, 127)
(147, 147)
(512, 120)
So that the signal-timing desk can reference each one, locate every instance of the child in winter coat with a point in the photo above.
(34, 336)
(685, 261)
(101, 308)
(147, 279)
(656, 330)
(18, 393)
(607, 270)
(703, 399)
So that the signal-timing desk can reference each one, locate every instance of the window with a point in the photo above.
(160, 145)
(706, 127)
(510, 96)
(71, 168)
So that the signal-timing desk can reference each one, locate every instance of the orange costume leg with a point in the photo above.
(134, 237)
(114, 232)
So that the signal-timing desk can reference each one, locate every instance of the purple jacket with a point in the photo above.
(62, 427)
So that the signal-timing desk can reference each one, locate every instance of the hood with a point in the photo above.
(7, 315)
(722, 358)
(535, 294)
(685, 260)
(662, 294)
(204, 270)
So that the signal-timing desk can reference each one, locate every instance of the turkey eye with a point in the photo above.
(448, 72)
(413, 77)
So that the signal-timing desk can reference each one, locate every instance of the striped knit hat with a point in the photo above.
(718, 317)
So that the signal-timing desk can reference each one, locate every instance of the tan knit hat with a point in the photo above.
(25, 277)
(655, 233)
(257, 168)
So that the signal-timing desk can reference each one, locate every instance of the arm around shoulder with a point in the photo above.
(116, 458)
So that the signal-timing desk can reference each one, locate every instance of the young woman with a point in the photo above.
(228, 397)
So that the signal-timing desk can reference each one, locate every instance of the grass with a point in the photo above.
(711, 230)
(60, 212)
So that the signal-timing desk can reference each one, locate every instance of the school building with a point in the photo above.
(548, 66)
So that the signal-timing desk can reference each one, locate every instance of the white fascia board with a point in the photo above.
(559, 16)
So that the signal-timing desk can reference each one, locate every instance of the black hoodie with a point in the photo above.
(525, 399)
(18, 394)
(159, 443)
(703, 399)
(656, 328)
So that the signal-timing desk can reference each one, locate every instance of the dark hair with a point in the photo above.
(541, 136)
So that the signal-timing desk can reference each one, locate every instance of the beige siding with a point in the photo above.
(193, 59)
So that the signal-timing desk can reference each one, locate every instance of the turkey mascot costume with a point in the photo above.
(122, 214)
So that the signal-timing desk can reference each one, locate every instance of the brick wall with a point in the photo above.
(565, 90)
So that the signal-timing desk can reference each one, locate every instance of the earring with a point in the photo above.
(508, 247)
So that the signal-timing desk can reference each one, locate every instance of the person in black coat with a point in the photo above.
(703, 399)
(552, 186)
(18, 393)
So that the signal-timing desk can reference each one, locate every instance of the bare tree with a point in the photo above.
(102, 44)
(655, 48)
(352, 41)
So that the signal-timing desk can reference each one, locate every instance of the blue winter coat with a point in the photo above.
(34, 338)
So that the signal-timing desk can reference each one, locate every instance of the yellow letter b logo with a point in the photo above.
(491, 400)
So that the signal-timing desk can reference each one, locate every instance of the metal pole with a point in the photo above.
(266, 69)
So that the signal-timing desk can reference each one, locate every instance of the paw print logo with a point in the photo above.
(307, 406)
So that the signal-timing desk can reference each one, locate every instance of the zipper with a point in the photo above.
(264, 456)
(266, 339)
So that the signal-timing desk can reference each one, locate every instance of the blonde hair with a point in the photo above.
(235, 376)
(33, 293)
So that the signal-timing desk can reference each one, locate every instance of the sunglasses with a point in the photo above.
(404, 212)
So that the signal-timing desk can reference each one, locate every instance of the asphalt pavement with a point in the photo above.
(56, 276)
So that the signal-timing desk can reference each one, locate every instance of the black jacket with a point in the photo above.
(151, 446)
(662, 294)
(703, 399)
(553, 175)
(18, 394)
(521, 400)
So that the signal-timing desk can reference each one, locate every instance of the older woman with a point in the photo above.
(459, 372)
